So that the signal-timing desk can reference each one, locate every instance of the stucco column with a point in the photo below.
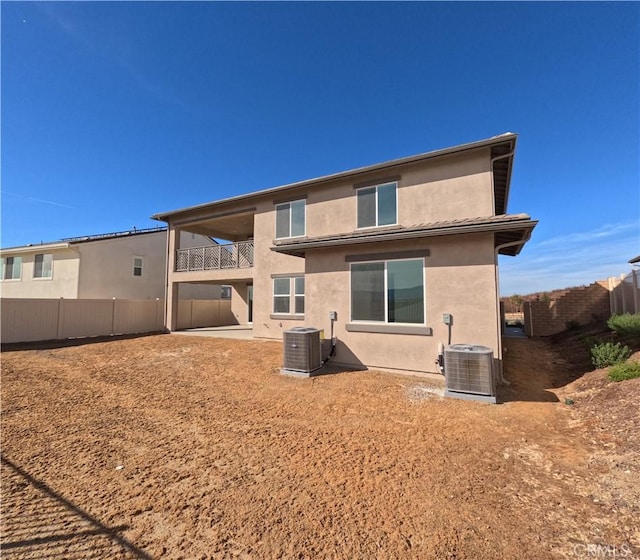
(498, 352)
(240, 302)
(171, 300)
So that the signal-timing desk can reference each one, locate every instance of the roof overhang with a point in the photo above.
(502, 156)
(236, 224)
(69, 242)
(511, 232)
(42, 248)
(502, 153)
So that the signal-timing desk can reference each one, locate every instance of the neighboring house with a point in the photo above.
(391, 248)
(126, 265)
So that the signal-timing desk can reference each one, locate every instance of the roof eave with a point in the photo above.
(502, 184)
(300, 248)
(488, 142)
(34, 248)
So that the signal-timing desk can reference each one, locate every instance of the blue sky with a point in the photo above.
(112, 112)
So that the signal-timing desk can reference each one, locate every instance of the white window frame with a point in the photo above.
(288, 204)
(297, 295)
(141, 267)
(377, 187)
(386, 294)
(4, 268)
(291, 296)
(39, 278)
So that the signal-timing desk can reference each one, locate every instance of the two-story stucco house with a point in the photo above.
(390, 247)
(124, 265)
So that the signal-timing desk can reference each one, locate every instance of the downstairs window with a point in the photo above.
(388, 291)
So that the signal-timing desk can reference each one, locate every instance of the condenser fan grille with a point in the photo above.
(302, 349)
(469, 370)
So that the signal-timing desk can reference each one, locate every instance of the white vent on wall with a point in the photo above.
(302, 349)
(468, 370)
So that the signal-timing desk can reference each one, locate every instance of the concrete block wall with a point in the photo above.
(581, 306)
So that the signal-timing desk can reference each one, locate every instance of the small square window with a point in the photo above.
(137, 266)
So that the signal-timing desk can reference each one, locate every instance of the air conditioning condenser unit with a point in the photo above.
(468, 370)
(302, 351)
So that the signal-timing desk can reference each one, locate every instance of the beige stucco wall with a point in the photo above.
(239, 303)
(106, 267)
(460, 275)
(450, 188)
(63, 283)
(117, 279)
(268, 263)
(459, 279)
(188, 240)
(199, 291)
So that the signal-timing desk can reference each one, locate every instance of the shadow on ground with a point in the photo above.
(69, 342)
(531, 369)
(537, 367)
(37, 522)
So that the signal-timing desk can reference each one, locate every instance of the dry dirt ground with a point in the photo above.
(184, 447)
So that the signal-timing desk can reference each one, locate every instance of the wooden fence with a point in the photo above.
(29, 320)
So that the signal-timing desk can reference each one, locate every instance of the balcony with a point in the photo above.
(215, 257)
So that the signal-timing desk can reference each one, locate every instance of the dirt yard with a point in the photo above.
(184, 447)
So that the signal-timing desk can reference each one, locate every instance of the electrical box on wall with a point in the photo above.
(333, 315)
(447, 319)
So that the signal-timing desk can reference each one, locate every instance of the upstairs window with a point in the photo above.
(11, 268)
(137, 266)
(43, 266)
(377, 205)
(290, 219)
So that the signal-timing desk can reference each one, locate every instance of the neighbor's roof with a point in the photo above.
(635, 260)
(502, 146)
(511, 231)
(67, 242)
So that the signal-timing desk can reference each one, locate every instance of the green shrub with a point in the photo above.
(627, 324)
(608, 354)
(622, 372)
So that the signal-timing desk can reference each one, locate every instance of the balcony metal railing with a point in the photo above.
(215, 257)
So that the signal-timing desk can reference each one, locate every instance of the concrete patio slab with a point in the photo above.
(238, 332)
